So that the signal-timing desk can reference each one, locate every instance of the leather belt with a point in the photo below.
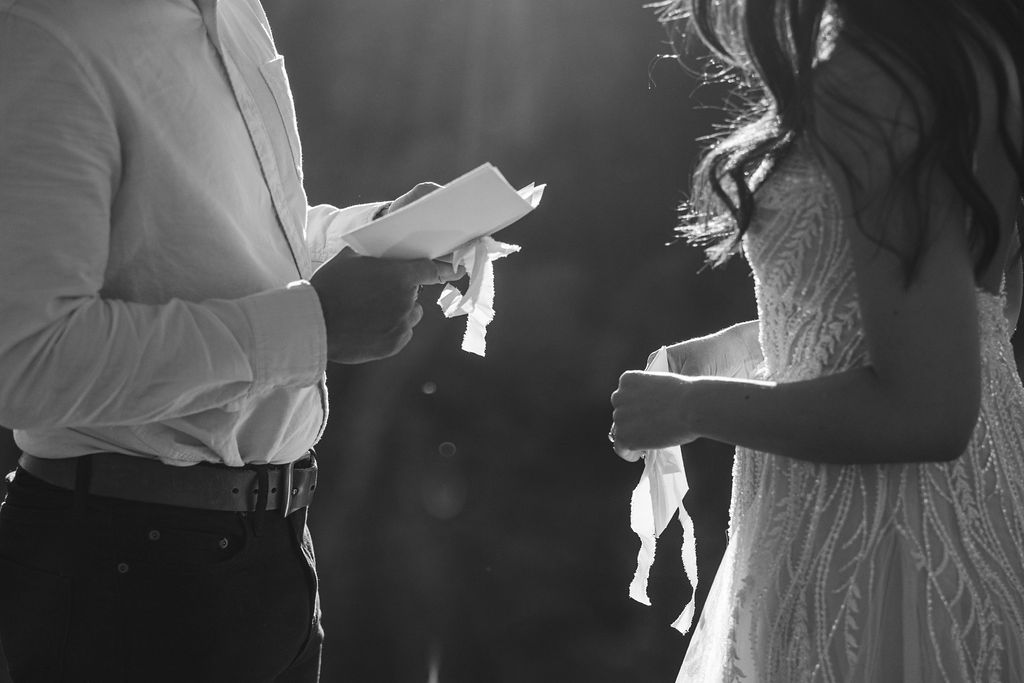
(205, 486)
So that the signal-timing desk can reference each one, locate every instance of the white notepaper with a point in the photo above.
(476, 204)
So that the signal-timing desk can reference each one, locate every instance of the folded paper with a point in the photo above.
(476, 204)
(657, 497)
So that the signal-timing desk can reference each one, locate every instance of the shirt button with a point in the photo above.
(122, 568)
(154, 535)
(223, 543)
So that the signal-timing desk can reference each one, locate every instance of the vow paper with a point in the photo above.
(478, 203)
(455, 223)
(657, 497)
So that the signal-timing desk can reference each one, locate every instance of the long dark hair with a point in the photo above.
(769, 49)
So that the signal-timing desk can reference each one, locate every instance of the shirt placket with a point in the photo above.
(258, 134)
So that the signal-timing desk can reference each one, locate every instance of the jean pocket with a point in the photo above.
(35, 609)
(276, 78)
(168, 547)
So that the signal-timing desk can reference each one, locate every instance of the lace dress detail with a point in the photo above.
(909, 573)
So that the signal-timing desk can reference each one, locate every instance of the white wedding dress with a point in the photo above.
(902, 573)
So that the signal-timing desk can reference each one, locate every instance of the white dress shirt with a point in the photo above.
(155, 235)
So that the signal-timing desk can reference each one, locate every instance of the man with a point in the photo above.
(168, 303)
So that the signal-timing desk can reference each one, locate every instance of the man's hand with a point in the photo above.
(369, 304)
(421, 190)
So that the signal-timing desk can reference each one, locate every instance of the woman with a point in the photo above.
(877, 529)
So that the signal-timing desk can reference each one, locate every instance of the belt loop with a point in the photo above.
(286, 502)
(262, 492)
(83, 475)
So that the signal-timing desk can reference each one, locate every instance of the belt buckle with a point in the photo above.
(286, 504)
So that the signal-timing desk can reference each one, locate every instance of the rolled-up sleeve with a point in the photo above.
(68, 355)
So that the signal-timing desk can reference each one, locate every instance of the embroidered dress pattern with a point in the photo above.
(907, 572)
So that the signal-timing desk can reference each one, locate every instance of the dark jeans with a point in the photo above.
(102, 590)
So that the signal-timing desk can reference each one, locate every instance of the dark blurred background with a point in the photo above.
(473, 523)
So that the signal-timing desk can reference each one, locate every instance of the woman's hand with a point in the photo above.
(651, 410)
(732, 352)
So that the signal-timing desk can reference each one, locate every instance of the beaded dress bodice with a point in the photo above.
(804, 281)
(909, 572)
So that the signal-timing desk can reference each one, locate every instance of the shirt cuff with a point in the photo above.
(289, 336)
(326, 227)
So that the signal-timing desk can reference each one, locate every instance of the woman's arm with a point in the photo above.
(731, 352)
(918, 399)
